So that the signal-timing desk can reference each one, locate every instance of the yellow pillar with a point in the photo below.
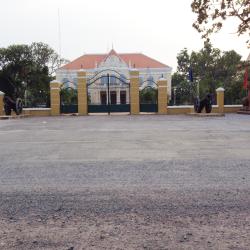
(220, 99)
(82, 93)
(134, 92)
(162, 96)
(1, 103)
(55, 97)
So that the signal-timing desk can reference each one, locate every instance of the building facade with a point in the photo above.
(150, 71)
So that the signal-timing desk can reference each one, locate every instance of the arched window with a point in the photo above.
(150, 80)
(75, 82)
(112, 80)
(65, 80)
(123, 79)
(104, 80)
(141, 79)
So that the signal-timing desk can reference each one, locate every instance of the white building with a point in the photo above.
(150, 70)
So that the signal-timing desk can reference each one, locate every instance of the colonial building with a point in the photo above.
(150, 70)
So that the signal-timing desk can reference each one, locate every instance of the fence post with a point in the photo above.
(82, 93)
(220, 99)
(1, 103)
(134, 92)
(162, 96)
(55, 98)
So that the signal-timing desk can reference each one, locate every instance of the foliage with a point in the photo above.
(211, 69)
(30, 68)
(148, 95)
(212, 13)
(68, 96)
(183, 91)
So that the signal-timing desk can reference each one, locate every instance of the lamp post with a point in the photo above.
(25, 93)
(174, 96)
(198, 88)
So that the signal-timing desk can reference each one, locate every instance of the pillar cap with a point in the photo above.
(1, 93)
(162, 79)
(81, 73)
(55, 84)
(134, 70)
(220, 89)
(54, 81)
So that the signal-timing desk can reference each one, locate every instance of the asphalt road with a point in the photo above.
(125, 182)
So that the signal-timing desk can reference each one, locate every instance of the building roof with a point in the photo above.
(91, 61)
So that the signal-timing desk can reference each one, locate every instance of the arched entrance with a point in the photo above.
(108, 92)
(68, 100)
(149, 96)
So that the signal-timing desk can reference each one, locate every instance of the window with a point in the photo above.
(104, 80)
(141, 79)
(65, 80)
(75, 82)
(123, 79)
(103, 97)
(150, 80)
(112, 80)
(123, 96)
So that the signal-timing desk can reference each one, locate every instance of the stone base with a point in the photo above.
(206, 114)
(244, 112)
(8, 117)
(70, 114)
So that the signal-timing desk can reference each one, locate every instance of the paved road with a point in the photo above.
(125, 182)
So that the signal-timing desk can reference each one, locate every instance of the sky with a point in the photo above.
(159, 28)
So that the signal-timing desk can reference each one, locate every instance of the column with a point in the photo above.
(82, 93)
(220, 99)
(118, 99)
(134, 92)
(55, 97)
(162, 96)
(1, 103)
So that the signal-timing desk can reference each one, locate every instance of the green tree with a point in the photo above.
(148, 95)
(211, 15)
(30, 68)
(68, 96)
(211, 69)
(183, 91)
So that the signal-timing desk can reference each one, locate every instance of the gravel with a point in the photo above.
(125, 182)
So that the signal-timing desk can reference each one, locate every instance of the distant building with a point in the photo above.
(150, 70)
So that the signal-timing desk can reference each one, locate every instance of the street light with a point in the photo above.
(25, 93)
(174, 96)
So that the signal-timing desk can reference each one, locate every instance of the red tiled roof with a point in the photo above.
(137, 60)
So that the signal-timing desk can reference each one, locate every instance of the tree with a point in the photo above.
(68, 96)
(212, 13)
(183, 91)
(211, 69)
(148, 95)
(30, 68)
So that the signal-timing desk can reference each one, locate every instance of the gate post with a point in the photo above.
(1, 103)
(162, 96)
(134, 92)
(82, 93)
(55, 97)
(220, 99)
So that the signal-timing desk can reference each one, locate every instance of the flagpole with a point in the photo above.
(198, 88)
(245, 82)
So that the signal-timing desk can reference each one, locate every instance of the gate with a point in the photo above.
(108, 92)
(149, 97)
(68, 100)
